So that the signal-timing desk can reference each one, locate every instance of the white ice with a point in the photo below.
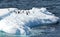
(36, 16)
(20, 21)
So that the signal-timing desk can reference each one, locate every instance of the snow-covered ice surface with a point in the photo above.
(20, 21)
(36, 16)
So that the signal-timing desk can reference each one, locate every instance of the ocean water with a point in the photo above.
(41, 31)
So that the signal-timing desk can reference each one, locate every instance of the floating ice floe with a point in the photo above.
(16, 21)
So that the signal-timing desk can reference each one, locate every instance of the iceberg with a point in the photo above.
(15, 21)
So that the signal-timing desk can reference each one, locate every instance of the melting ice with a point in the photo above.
(15, 21)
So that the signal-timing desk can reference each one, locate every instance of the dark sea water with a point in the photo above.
(41, 31)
